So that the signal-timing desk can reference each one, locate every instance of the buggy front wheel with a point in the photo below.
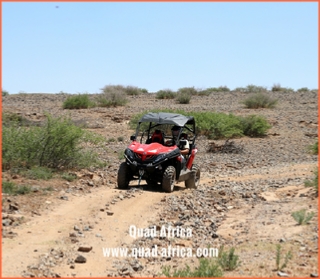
(168, 179)
(123, 176)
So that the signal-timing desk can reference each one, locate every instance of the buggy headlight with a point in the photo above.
(129, 154)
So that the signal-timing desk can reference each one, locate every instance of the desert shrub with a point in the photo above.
(165, 94)
(228, 260)
(314, 183)
(80, 101)
(204, 92)
(288, 256)
(276, 87)
(11, 188)
(9, 118)
(207, 268)
(183, 97)
(112, 96)
(255, 89)
(57, 143)
(144, 91)
(4, 93)
(259, 100)
(218, 89)
(218, 125)
(303, 89)
(68, 176)
(187, 90)
(313, 149)
(301, 217)
(254, 125)
(133, 90)
(38, 173)
(223, 89)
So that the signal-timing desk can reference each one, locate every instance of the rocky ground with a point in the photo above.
(247, 194)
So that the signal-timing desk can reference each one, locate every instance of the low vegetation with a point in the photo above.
(9, 118)
(251, 89)
(80, 101)
(112, 96)
(259, 100)
(68, 176)
(165, 94)
(277, 88)
(228, 260)
(314, 183)
(280, 265)
(303, 89)
(187, 90)
(58, 143)
(133, 90)
(220, 125)
(207, 268)
(183, 97)
(11, 188)
(254, 125)
(313, 149)
(4, 93)
(302, 217)
(38, 173)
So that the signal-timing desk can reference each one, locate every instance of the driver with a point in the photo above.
(183, 146)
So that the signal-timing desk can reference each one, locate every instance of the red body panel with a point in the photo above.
(147, 150)
(191, 158)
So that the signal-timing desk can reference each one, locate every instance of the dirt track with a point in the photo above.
(252, 203)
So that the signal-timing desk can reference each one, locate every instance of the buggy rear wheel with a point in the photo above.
(194, 180)
(123, 176)
(168, 179)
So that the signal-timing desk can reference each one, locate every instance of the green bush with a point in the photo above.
(228, 260)
(314, 182)
(133, 90)
(240, 89)
(59, 143)
(287, 257)
(69, 176)
(11, 188)
(255, 89)
(223, 89)
(277, 88)
(313, 148)
(4, 93)
(204, 92)
(218, 89)
(144, 91)
(9, 118)
(37, 173)
(207, 268)
(219, 125)
(303, 89)
(183, 98)
(259, 100)
(80, 101)
(254, 125)
(187, 90)
(301, 217)
(112, 96)
(165, 94)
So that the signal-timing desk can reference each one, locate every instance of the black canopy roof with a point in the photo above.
(167, 118)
